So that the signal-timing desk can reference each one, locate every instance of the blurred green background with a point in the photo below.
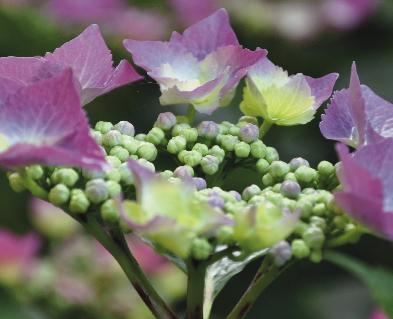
(307, 291)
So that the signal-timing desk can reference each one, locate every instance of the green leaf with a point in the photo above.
(379, 280)
(219, 273)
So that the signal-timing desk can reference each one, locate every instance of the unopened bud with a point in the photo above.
(210, 164)
(66, 176)
(300, 249)
(314, 237)
(130, 144)
(248, 119)
(97, 136)
(271, 154)
(112, 138)
(278, 169)
(120, 152)
(258, 149)
(125, 128)
(296, 162)
(140, 137)
(281, 253)
(216, 200)
(147, 151)
(250, 191)
(228, 142)
(16, 182)
(114, 188)
(155, 136)
(59, 195)
(179, 128)
(242, 149)
(97, 191)
(262, 166)
(290, 177)
(109, 211)
(176, 144)
(249, 133)
(190, 134)
(199, 183)
(103, 127)
(217, 152)
(183, 172)
(79, 203)
(318, 222)
(192, 158)
(235, 195)
(319, 209)
(208, 129)
(326, 168)
(305, 175)
(201, 249)
(225, 235)
(166, 174)
(34, 172)
(290, 189)
(267, 180)
(126, 175)
(165, 121)
(201, 148)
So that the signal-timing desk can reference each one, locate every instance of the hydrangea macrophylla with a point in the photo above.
(169, 214)
(44, 124)
(357, 116)
(367, 178)
(201, 67)
(281, 99)
(193, 11)
(17, 253)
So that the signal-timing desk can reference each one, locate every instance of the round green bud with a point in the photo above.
(126, 176)
(89, 174)
(262, 166)
(276, 188)
(201, 249)
(120, 152)
(125, 128)
(113, 161)
(109, 211)
(271, 154)
(300, 249)
(103, 127)
(316, 256)
(234, 130)
(267, 180)
(165, 121)
(248, 119)
(140, 137)
(35, 172)
(326, 169)
(113, 175)
(242, 149)
(225, 235)
(296, 162)
(223, 129)
(305, 207)
(114, 188)
(179, 127)
(258, 149)
(319, 209)
(278, 169)
(318, 222)
(183, 172)
(210, 164)
(97, 136)
(228, 142)
(66, 176)
(192, 158)
(190, 134)
(79, 203)
(59, 195)
(305, 175)
(176, 144)
(166, 174)
(112, 138)
(97, 191)
(155, 136)
(290, 177)
(340, 221)
(201, 148)
(147, 151)
(217, 152)
(250, 192)
(314, 237)
(130, 144)
(150, 166)
(16, 182)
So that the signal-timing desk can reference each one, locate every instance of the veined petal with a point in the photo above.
(322, 88)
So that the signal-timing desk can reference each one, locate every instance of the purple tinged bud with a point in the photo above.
(296, 162)
(216, 200)
(250, 192)
(184, 172)
(208, 129)
(249, 133)
(290, 189)
(165, 121)
(112, 138)
(281, 253)
(97, 191)
(125, 128)
(199, 183)
(236, 195)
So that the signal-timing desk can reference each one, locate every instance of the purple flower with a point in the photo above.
(367, 179)
(201, 67)
(192, 11)
(357, 116)
(44, 124)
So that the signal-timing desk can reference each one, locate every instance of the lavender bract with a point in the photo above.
(44, 124)
(201, 67)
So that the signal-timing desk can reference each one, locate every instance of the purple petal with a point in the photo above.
(207, 35)
(141, 173)
(191, 12)
(91, 61)
(44, 124)
(322, 88)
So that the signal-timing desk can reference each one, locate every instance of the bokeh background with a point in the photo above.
(309, 36)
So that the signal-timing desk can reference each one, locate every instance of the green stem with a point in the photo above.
(344, 239)
(265, 127)
(265, 275)
(118, 248)
(195, 289)
(31, 185)
(191, 113)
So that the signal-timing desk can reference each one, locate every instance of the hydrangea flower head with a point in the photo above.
(169, 214)
(281, 99)
(201, 67)
(357, 116)
(43, 123)
(367, 179)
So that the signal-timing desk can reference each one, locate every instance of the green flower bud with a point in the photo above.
(249, 119)
(276, 188)
(262, 166)
(79, 203)
(179, 127)
(223, 129)
(340, 221)
(140, 137)
(234, 130)
(319, 209)
(316, 256)
(326, 169)
(88, 174)
(271, 154)
(267, 180)
(290, 177)
(125, 128)
(155, 136)
(318, 222)
(210, 164)
(130, 144)
(103, 127)
(112, 138)
(113, 161)
(113, 175)
(201, 148)
(201, 249)
(278, 169)
(296, 162)
(114, 188)
(16, 182)
(258, 149)
(97, 191)
(126, 176)
(59, 195)
(167, 174)
(176, 144)
(228, 142)
(242, 149)
(306, 208)
(250, 192)
(97, 136)
(183, 172)
(281, 252)
(225, 235)
(191, 158)
(305, 175)
(34, 172)
(217, 152)
(314, 237)
(190, 134)
(66, 176)
(165, 121)
(150, 166)
(120, 152)
(300, 249)
(147, 151)
(109, 211)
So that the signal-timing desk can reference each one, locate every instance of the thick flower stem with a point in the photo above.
(265, 275)
(196, 289)
(33, 187)
(118, 248)
(265, 127)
